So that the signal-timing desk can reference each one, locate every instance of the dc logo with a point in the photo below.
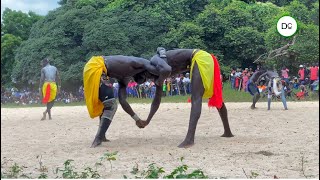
(287, 26)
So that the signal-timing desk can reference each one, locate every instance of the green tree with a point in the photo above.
(244, 45)
(18, 23)
(9, 44)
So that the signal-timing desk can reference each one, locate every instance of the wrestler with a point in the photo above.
(48, 88)
(274, 87)
(205, 83)
(122, 68)
(253, 88)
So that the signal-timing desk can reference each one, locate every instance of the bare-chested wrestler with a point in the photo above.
(274, 87)
(122, 68)
(205, 83)
(48, 88)
(253, 88)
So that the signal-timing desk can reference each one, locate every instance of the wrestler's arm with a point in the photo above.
(59, 80)
(123, 99)
(125, 105)
(261, 76)
(41, 82)
(155, 103)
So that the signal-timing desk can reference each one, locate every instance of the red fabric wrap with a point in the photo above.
(216, 100)
(47, 95)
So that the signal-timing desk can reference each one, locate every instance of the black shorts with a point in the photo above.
(253, 89)
(105, 92)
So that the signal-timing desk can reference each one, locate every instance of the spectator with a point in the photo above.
(245, 78)
(250, 71)
(285, 74)
(164, 88)
(237, 79)
(186, 83)
(301, 74)
(313, 74)
(232, 78)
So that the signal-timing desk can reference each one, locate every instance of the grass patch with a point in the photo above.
(69, 171)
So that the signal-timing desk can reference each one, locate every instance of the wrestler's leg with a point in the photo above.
(103, 127)
(269, 101)
(283, 99)
(105, 120)
(223, 112)
(44, 114)
(197, 90)
(49, 106)
(255, 99)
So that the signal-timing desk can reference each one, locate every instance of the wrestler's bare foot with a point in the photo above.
(186, 144)
(253, 107)
(97, 141)
(104, 139)
(43, 117)
(227, 135)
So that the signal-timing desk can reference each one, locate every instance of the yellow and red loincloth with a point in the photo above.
(210, 74)
(49, 91)
(91, 81)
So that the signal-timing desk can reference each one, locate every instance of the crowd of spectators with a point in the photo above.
(27, 96)
(306, 77)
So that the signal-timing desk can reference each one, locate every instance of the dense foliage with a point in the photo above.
(236, 31)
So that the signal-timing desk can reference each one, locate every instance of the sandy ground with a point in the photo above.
(285, 136)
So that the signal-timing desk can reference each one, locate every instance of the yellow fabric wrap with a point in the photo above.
(51, 95)
(91, 81)
(205, 65)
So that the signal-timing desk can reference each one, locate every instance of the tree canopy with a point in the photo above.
(236, 31)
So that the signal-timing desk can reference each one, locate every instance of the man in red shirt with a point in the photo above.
(313, 73)
(301, 73)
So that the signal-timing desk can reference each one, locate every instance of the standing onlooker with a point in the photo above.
(250, 72)
(164, 88)
(245, 78)
(285, 74)
(115, 89)
(313, 74)
(169, 87)
(301, 74)
(232, 77)
(186, 83)
(237, 79)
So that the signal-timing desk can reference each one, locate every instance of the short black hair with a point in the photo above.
(45, 60)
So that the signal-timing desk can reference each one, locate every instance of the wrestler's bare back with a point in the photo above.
(123, 67)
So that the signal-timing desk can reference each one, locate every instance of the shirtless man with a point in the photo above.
(48, 88)
(201, 65)
(274, 85)
(122, 68)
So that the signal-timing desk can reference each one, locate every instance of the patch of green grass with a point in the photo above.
(68, 171)
(155, 172)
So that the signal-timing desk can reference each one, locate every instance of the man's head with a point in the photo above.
(45, 61)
